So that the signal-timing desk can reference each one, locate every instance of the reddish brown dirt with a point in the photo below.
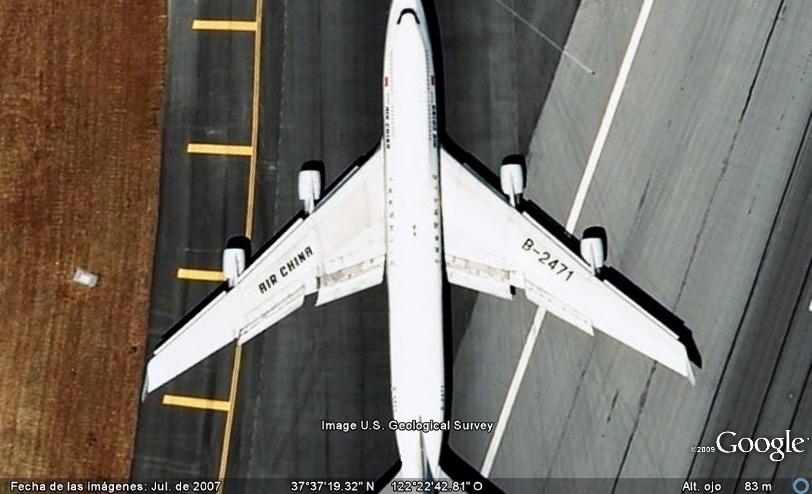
(80, 98)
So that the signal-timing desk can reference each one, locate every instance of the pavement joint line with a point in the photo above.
(226, 149)
(249, 227)
(200, 274)
(575, 213)
(195, 402)
(223, 25)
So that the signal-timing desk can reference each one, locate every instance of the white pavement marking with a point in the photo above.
(575, 213)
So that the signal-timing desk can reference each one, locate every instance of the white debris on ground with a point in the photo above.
(85, 278)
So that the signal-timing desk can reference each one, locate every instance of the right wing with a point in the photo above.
(491, 247)
(337, 250)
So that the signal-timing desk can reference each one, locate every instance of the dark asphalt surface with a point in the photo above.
(703, 188)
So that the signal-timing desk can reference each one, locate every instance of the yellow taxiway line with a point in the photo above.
(200, 274)
(208, 275)
(235, 378)
(227, 149)
(199, 403)
(252, 167)
(249, 230)
(212, 25)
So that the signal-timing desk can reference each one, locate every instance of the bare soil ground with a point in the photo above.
(80, 99)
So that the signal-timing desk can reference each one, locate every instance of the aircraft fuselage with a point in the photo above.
(414, 237)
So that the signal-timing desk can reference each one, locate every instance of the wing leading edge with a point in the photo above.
(337, 250)
(491, 247)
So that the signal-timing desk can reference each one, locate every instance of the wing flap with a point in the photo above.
(478, 276)
(351, 279)
(271, 312)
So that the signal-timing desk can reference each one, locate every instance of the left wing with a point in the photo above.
(491, 247)
(337, 250)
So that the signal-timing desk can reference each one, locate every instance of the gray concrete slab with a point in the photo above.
(771, 363)
(563, 137)
(687, 192)
(768, 363)
(573, 109)
(769, 122)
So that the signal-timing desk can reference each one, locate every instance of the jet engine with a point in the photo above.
(310, 184)
(235, 256)
(593, 248)
(511, 177)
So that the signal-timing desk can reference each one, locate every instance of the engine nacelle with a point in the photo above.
(235, 257)
(310, 184)
(593, 248)
(511, 177)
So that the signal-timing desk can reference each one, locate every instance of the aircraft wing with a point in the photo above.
(491, 247)
(337, 250)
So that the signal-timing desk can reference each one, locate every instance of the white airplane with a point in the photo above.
(415, 212)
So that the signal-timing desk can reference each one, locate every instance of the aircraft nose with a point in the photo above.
(402, 10)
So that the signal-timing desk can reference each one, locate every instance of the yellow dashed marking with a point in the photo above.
(200, 274)
(212, 25)
(200, 403)
(227, 149)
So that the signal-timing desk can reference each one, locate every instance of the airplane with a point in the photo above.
(412, 211)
